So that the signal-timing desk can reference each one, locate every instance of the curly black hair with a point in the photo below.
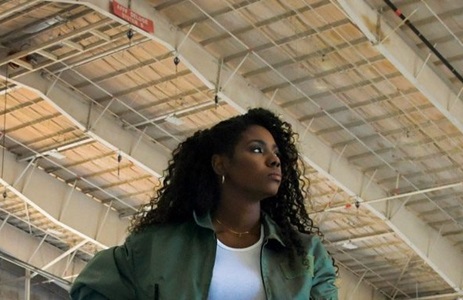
(190, 183)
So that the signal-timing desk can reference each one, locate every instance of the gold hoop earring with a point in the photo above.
(223, 178)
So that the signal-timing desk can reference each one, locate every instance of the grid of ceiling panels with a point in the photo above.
(442, 160)
(36, 131)
(305, 55)
(440, 23)
(53, 37)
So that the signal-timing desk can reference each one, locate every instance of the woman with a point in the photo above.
(228, 223)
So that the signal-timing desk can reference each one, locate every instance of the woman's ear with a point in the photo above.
(218, 164)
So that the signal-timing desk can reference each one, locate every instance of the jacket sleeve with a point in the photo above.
(86, 293)
(107, 276)
(323, 287)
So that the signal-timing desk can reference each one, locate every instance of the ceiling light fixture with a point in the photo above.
(55, 153)
(172, 119)
(349, 245)
(54, 232)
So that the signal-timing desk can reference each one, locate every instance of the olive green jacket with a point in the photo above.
(175, 261)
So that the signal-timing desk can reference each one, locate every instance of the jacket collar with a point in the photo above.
(203, 220)
(271, 229)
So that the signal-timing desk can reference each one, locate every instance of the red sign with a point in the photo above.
(132, 17)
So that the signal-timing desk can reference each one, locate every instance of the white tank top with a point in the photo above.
(237, 273)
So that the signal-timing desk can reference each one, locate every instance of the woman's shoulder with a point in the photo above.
(311, 241)
(310, 237)
(157, 233)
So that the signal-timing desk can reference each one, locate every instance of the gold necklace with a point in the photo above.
(239, 234)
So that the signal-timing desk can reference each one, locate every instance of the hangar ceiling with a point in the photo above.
(95, 94)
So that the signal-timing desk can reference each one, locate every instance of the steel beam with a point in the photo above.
(406, 60)
(149, 156)
(82, 214)
(20, 245)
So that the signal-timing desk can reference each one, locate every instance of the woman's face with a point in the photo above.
(254, 170)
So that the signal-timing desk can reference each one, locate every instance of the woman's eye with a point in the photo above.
(257, 150)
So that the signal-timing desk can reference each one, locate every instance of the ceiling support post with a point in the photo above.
(27, 284)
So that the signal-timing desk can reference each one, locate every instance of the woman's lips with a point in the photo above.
(275, 176)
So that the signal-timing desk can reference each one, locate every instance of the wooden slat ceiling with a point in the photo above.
(307, 57)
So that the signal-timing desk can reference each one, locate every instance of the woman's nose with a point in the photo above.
(274, 161)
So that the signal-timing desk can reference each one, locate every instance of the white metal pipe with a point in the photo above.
(69, 251)
(423, 191)
(27, 284)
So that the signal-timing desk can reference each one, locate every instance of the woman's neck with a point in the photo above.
(237, 225)
(238, 215)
